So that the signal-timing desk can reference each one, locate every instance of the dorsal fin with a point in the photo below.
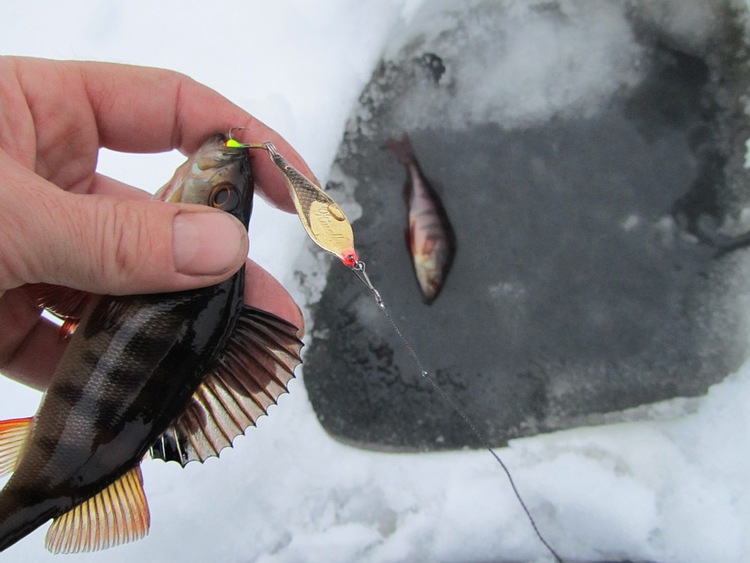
(13, 435)
(249, 376)
(118, 514)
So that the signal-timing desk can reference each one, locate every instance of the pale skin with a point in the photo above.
(63, 223)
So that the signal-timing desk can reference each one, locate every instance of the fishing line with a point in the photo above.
(327, 225)
(359, 270)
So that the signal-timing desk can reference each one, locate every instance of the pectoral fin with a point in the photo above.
(13, 435)
(249, 376)
(63, 302)
(118, 514)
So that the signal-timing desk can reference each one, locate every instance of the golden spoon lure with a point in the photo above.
(322, 218)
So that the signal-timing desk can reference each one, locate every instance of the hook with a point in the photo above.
(234, 143)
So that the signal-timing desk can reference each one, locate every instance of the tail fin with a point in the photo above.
(403, 149)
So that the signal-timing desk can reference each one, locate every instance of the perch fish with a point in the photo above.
(177, 375)
(430, 236)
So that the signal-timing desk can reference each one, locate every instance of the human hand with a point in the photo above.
(63, 223)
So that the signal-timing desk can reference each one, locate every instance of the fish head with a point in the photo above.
(216, 175)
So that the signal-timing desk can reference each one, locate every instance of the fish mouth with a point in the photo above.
(211, 159)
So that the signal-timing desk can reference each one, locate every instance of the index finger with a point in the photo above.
(139, 109)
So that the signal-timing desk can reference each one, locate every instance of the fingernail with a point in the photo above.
(208, 243)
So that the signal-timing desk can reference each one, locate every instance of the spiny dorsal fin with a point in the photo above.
(249, 376)
(118, 514)
(13, 435)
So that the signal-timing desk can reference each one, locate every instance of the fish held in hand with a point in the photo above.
(177, 375)
(430, 237)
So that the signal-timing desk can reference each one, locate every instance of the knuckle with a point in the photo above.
(28, 250)
(130, 235)
(126, 242)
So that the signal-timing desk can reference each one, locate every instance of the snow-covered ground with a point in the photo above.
(669, 489)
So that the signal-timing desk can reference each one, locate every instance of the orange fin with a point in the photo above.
(118, 514)
(249, 376)
(62, 302)
(13, 435)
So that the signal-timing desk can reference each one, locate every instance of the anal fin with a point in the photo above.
(118, 514)
(249, 376)
(13, 435)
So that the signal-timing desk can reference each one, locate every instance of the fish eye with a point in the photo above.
(224, 196)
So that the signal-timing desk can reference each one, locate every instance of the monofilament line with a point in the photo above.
(359, 271)
(470, 423)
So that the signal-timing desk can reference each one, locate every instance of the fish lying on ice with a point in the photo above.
(179, 375)
(430, 236)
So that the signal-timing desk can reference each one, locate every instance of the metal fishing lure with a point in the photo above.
(323, 219)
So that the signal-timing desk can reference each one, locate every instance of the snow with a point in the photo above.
(672, 487)
(559, 67)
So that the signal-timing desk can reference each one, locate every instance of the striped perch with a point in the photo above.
(179, 375)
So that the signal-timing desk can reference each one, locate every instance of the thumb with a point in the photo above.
(104, 244)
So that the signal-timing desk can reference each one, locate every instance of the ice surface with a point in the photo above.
(562, 59)
(567, 58)
(673, 490)
(552, 310)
